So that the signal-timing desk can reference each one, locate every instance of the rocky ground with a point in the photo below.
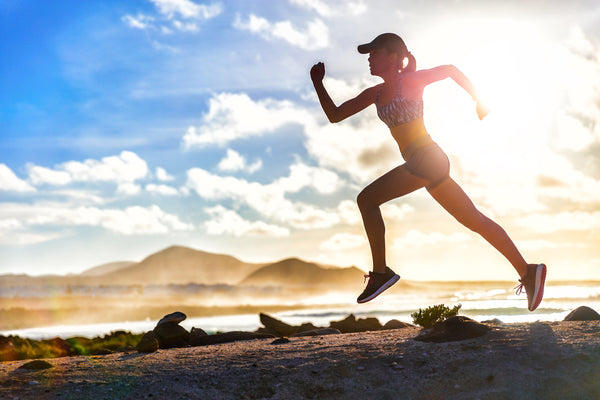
(541, 360)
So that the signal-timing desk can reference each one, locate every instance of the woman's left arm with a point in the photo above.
(428, 76)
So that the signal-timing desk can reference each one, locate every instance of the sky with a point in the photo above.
(128, 127)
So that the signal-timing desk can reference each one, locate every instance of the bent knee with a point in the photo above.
(365, 200)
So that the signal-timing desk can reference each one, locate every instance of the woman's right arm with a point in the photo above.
(338, 113)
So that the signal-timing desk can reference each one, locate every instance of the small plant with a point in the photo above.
(434, 314)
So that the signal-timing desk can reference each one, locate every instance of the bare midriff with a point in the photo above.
(409, 132)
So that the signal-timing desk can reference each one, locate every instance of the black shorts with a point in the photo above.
(425, 159)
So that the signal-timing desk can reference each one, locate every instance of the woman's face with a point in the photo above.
(382, 62)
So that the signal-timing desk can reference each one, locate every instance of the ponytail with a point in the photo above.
(411, 65)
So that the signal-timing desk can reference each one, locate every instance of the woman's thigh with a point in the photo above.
(393, 184)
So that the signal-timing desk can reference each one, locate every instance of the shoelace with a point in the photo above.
(519, 288)
(368, 276)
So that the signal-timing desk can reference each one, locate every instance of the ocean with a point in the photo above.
(479, 300)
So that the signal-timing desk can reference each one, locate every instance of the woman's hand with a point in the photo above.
(317, 72)
(482, 110)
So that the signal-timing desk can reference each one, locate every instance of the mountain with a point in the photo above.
(182, 265)
(106, 268)
(293, 271)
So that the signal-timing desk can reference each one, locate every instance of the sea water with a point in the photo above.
(479, 300)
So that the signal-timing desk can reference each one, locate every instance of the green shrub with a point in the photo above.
(434, 314)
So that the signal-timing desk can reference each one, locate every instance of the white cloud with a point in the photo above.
(417, 238)
(316, 35)
(234, 116)
(162, 189)
(187, 9)
(126, 167)
(564, 221)
(9, 182)
(343, 241)
(129, 189)
(128, 221)
(394, 212)
(349, 212)
(234, 161)
(171, 10)
(225, 222)
(332, 9)
(41, 175)
(138, 22)
(268, 199)
(162, 175)
(360, 147)
(301, 176)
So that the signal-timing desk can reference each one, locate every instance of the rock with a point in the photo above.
(351, 324)
(227, 337)
(276, 326)
(281, 340)
(148, 343)
(175, 317)
(583, 313)
(494, 321)
(453, 329)
(306, 327)
(171, 335)
(195, 336)
(395, 324)
(36, 365)
(319, 332)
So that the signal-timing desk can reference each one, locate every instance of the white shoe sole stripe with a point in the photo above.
(540, 277)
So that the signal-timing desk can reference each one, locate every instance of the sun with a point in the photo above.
(518, 73)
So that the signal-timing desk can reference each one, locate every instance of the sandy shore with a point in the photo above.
(542, 360)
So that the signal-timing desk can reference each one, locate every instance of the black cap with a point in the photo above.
(389, 41)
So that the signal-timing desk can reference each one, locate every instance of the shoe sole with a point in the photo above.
(381, 289)
(540, 279)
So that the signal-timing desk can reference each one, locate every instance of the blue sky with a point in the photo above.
(127, 127)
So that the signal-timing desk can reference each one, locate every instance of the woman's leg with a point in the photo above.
(450, 196)
(395, 183)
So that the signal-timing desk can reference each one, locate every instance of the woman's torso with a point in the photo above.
(404, 116)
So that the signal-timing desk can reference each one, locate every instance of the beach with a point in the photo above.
(535, 360)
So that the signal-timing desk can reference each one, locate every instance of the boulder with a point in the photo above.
(228, 337)
(196, 335)
(36, 365)
(148, 343)
(277, 327)
(175, 317)
(395, 324)
(453, 329)
(171, 335)
(583, 313)
(351, 324)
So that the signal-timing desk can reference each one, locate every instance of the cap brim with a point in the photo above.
(365, 48)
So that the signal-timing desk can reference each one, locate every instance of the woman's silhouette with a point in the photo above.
(399, 103)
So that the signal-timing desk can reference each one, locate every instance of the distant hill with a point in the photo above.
(181, 265)
(293, 271)
(106, 268)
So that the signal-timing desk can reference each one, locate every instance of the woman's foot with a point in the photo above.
(533, 283)
(378, 283)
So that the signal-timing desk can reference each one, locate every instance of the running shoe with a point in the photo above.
(533, 283)
(378, 283)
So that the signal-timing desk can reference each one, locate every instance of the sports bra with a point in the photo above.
(400, 110)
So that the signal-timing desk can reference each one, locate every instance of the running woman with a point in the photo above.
(399, 103)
